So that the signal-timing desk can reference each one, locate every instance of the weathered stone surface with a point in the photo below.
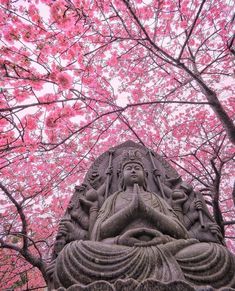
(135, 225)
(147, 285)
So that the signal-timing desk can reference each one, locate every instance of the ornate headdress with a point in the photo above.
(131, 156)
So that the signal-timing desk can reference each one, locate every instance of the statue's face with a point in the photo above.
(133, 173)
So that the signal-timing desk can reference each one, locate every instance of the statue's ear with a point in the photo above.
(118, 172)
(146, 173)
(121, 185)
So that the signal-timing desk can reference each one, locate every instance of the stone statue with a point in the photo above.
(134, 224)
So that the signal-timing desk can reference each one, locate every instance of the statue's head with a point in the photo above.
(132, 170)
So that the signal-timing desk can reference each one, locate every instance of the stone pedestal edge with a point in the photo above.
(147, 285)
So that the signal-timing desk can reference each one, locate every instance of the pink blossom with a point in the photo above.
(184, 24)
(10, 34)
(34, 13)
(20, 96)
(30, 122)
(64, 80)
(50, 121)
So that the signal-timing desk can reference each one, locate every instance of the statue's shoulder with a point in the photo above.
(110, 199)
(108, 204)
(158, 198)
(162, 204)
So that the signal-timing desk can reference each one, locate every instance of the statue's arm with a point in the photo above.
(166, 221)
(115, 223)
(169, 225)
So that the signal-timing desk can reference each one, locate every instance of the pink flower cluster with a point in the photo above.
(64, 80)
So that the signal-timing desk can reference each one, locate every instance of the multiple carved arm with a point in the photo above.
(193, 213)
(81, 219)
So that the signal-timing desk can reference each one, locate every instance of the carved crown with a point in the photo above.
(131, 156)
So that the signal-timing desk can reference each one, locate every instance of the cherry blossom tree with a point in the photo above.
(80, 76)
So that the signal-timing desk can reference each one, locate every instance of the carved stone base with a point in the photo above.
(147, 285)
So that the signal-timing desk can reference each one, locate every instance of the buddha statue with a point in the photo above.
(136, 234)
